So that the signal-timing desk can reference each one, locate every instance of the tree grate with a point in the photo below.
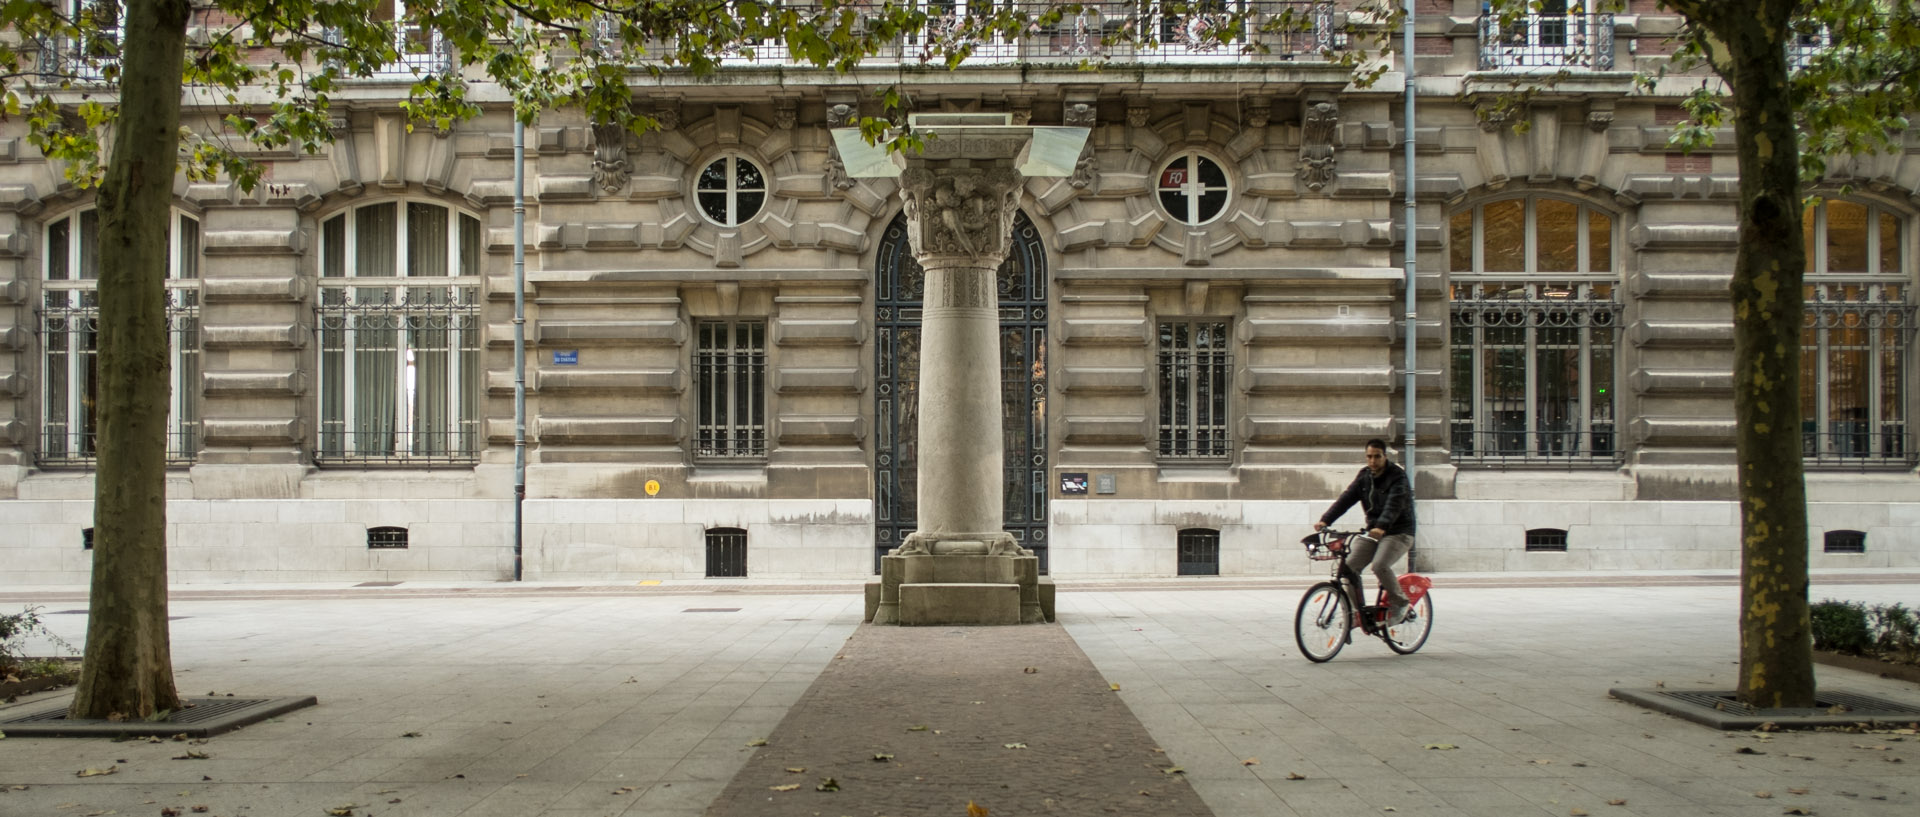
(1722, 710)
(201, 717)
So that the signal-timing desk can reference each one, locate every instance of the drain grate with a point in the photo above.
(711, 610)
(202, 717)
(378, 584)
(1721, 710)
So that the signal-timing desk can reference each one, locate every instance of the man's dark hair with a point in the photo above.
(1378, 443)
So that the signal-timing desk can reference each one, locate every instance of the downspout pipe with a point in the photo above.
(1410, 337)
(519, 340)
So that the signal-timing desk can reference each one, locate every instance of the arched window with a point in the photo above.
(1856, 343)
(1535, 326)
(399, 356)
(69, 332)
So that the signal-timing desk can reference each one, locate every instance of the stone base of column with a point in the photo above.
(958, 588)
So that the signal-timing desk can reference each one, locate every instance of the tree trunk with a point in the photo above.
(1776, 644)
(128, 666)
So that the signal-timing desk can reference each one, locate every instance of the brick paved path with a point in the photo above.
(1086, 753)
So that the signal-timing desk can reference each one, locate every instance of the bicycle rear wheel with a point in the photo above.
(1408, 636)
(1320, 625)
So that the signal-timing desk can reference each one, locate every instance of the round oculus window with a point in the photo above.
(730, 191)
(1193, 189)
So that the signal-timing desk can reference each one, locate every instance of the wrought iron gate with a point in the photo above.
(900, 284)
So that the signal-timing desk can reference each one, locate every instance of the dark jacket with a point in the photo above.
(1387, 500)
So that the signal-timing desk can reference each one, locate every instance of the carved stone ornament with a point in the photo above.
(1259, 113)
(841, 114)
(1493, 118)
(960, 211)
(1137, 111)
(1317, 158)
(1079, 115)
(667, 113)
(611, 168)
(1599, 120)
(1085, 170)
(784, 113)
(837, 171)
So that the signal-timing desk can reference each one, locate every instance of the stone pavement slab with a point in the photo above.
(925, 720)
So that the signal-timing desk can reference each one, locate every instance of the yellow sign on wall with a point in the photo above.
(653, 487)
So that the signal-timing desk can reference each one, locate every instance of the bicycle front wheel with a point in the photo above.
(1320, 625)
(1408, 636)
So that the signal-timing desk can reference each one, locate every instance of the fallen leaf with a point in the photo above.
(1252, 761)
(1796, 791)
(788, 787)
(169, 812)
(757, 742)
(974, 810)
(624, 790)
(1578, 812)
(342, 811)
(827, 784)
(882, 758)
(1748, 750)
(916, 728)
(1114, 687)
(1872, 748)
(1388, 808)
(1541, 762)
(1441, 746)
(1799, 757)
(193, 754)
(1764, 795)
(92, 772)
(1014, 745)
(1031, 670)
(1173, 770)
(1893, 760)
(796, 769)
(1798, 810)
(410, 735)
(1617, 801)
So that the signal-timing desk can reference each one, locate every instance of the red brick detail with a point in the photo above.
(1433, 46)
(1689, 163)
(1668, 114)
(1656, 46)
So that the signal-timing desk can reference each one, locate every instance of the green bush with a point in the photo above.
(14, 629)
(1896, 633)
(1841, 626)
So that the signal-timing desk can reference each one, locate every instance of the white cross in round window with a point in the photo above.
(1193, 189)
(730, 191)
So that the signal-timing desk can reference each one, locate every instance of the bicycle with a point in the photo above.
(1324, 622)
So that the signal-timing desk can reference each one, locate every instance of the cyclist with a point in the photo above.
(1382, 490)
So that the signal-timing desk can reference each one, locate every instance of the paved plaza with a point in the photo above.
(487, 699)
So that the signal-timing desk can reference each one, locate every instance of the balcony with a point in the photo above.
(419, 52)
(1547, 43)
(83, 62)
(1160, 34)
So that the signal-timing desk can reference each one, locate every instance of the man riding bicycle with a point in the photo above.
(1385, 496)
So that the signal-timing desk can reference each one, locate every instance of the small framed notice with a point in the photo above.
(1073, 483)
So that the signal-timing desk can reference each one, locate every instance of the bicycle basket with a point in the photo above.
(1325, 545)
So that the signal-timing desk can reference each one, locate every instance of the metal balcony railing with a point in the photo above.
(64, 448)
(458, 445)
(1185, 32)
(1856, 444)
(80, 61)
(1598, 446)
(1547, 42)
(421, 52)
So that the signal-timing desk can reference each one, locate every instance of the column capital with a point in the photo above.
(960, 209)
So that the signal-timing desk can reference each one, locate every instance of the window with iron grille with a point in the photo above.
(731, 364)
(399, 345)
(86, 538)
(1535, 334)
(1857, 337)
(1199, 552)
(1846, 541)
(1548, 539)
(90, 51)
(387, 537)
(726, 553)
(1196, 365)
(69, 340)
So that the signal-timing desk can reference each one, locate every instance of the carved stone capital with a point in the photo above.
(1493, 118)
(666, 111)
(841, 114)
(1079, 114)
(962, 211)
(611, 168)
(1139, 107)
(1599, 115)
(785, 113)
(1259, 112)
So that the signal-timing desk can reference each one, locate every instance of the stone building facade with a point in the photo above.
(1201, 326)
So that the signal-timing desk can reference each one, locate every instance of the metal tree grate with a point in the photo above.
(1721, 710)
(200, 717)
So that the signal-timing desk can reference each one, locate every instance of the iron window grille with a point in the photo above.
(399, 355)
(1546, 539)
(726, 553)
(417, 51)
(387, 537)
(69, 328)
(1560, 36)
(1199, 552)
(1196, 366)
(89, 54)
(731, 364)
(1856, 338)
(1535, 332)
(1846, 541)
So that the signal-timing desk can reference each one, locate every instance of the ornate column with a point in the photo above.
(960, 223)
(960, 190)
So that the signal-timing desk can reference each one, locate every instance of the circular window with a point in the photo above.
(1193, 189)
(731, 191)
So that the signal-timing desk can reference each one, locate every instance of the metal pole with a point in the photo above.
(1410, 337)
(519, 336)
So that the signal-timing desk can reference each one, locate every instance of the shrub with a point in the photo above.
(1896, 633)
(1841, 626)
(14, 629)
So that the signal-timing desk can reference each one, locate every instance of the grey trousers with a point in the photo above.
(1380, 557)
